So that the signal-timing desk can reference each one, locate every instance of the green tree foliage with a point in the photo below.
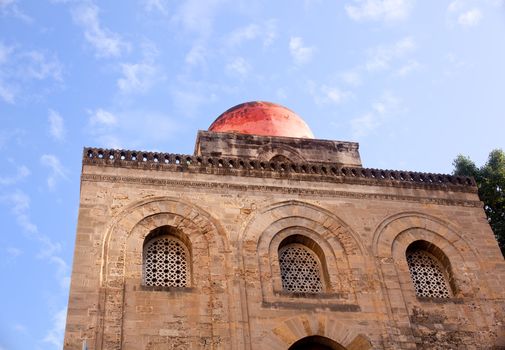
(490, 180)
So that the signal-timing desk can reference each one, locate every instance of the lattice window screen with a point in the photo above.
(166, 263)
(427, 275)
(300, 269)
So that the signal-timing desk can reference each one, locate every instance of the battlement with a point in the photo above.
(309, 171)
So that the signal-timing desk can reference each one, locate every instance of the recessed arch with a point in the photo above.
(143, 212)
(271, 224)
(390, 243)
(275, 217)
(122, 251)
(343, 253)
(269, 152)
(391, 227)
(316, 342)
(318, 328)
(296, 230)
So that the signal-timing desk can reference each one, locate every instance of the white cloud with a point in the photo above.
(5, 52)
(408, 68)
(6, 3)
(352, 77)
(11, 8)
(197, 55)
(58, 172)
(470, 18)
(14, 252)
(380, 10)
(190, 100)
(310, 3)
(7, 93)
(363, 125)
(387, 104)
(267, 32)
(62, 271)
(10, 256)
(137, 77)
(301, 54)
(455, 6)
(381, 57)
(238, 66)
(281, 94)
(19, 328)
(238, 36)
(140, 77)
(156, 5)
(455, 65)
(14, 137)
(325, 94)
(134, 129)
(21, 173)
(198, 16)
(105, 42)
(19, 68)
(19, 203)
(467, 13)
(334, 95)
(55, 335)
(56, 127)
(385, 107)
(41, 66)
(102, 118)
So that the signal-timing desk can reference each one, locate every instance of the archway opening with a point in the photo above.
(316, 342)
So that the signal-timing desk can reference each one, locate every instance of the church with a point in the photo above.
(266, 238)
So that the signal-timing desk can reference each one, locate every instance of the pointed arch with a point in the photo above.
(268, 152)
(122, 255)
(290, 331)
(397, 232)
(388, 230)
(316, 342)
(342, 255)
(320, 219)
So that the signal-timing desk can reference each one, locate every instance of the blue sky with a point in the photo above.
(414, 82)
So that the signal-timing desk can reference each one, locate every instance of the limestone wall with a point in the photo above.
(236, 301)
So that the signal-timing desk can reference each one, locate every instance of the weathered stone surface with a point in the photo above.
(235, 219)
(282, 149)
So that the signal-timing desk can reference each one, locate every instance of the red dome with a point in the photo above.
(262, 118)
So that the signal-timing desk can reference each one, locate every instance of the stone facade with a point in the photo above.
(234, 208)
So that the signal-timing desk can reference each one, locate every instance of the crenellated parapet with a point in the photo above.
(308, 171)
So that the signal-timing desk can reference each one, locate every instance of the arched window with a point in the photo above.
(300, 266)
(429, 270)
(165, 259)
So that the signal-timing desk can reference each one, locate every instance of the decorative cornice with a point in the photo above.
(225, 186)
(321, 172)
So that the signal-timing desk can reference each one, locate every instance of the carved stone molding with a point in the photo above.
(277, 189)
